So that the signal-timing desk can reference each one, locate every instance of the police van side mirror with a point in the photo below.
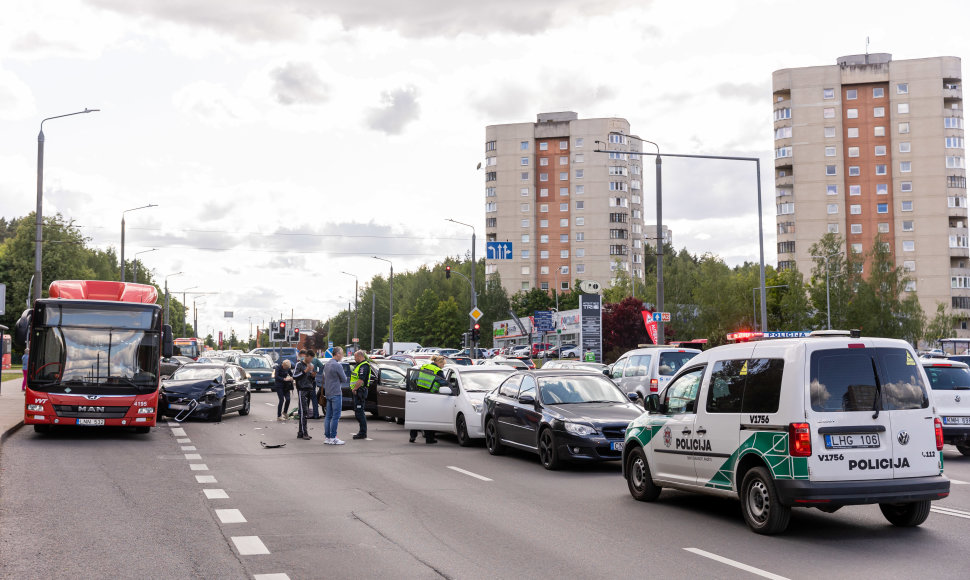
(652, 403)
(168, 343)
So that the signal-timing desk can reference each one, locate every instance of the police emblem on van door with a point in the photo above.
(903, 438)
(667, 437)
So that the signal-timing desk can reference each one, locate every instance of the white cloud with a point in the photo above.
(16, 98)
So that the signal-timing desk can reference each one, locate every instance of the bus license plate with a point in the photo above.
(616, 446)
(90, 421)
(853, 441)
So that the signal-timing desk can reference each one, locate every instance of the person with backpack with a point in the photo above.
(362, 377)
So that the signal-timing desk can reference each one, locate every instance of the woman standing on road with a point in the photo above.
(284, 384)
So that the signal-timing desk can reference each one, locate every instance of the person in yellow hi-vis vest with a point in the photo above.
(430, 377)
(590, 356)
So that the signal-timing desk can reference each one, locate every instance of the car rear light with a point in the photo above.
(856, 345)
(654, 385)
(942, 365)
(938, 427)
(799, 440)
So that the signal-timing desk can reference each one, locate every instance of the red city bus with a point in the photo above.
(95, 348)
(190, 347)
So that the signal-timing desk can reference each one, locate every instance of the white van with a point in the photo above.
(812, 422)
(648, 370)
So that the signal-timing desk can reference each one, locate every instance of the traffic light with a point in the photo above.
(282, 332)
(476, 331)
(447, 271)
(296, 334)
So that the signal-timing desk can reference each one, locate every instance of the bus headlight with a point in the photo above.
(36, 408)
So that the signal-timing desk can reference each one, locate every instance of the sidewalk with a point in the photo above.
(11, 407)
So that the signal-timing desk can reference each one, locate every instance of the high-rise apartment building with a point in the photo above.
(875, 146)
(569, 213)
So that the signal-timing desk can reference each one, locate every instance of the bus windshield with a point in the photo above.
(99, 360)
(189, 348)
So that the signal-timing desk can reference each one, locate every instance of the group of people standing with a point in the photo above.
(321, 383)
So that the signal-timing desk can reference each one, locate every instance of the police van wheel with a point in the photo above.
(762, 510)
(638, 478)
(964, 449)
(491, 438)
(906, 515)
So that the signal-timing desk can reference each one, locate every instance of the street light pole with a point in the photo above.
(123, 235)
(39, 215)
(828, 304)
(373, 309)
(471, 322)
(558, 330)
(135, 261)
(167, 319)
(356, 286)
(390, 317)
(183, 307)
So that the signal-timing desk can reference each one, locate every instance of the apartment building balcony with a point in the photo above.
(959, 252)
(788, 180)
(951, 91)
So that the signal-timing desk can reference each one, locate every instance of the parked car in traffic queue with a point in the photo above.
(950, 387)
(209, 390)
(260, 370)
(561, 415)
(648, 370)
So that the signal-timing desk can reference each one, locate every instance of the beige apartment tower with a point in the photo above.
(872, 145)
(568, 212)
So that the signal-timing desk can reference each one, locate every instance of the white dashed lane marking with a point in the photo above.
(186, 440)
(249, 545)
(178, 432)
(215, 494)
(205, 478)
(194, 456)
(951, 512)
(198, 467)
(230, 516)
(469, 473)
(270, 404)
(188, 448)
(271, 577)
(735, 564)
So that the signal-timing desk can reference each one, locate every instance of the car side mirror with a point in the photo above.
(608, 373)
(633, 396)
(652, 403)
(527, 400)
(168, 343)
(445, 390)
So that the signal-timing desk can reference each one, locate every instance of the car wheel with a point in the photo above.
(491, 438)
(906, 515)
(246, 406)
(217, 413)
(548, 454)
(964, 449)
(762, 510)
(42, 428)
(638, 478)
(461, 429)
(143, 430)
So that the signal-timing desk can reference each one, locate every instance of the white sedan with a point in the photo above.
(457, 406)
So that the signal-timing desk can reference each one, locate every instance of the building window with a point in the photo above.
(782, 152)
(786, 208)
(881, 208)
(786, 247)
(878, 112)
(490, 145)
(877, 92)
(543, 161)
(525, 223)
(902, 89)
(882, 188)
(952, 162)
(831, 190)
(543, 177)
(579, 174)
(904, 147)
(543, 146)
(491, 207)
(543, 192)
(524, 207)
(905, 166)
(910, 286)
(564, 223)
(902, 108)
(830, 151)
(544, 239)
(525, 238)
(523, 145)
(954, 142)
(782, 114)
(903, 128)
(907, 225)
(580, 221)
(525, 285)
(882, 227)
(957, 181)
(881, 169)
(959, 281)
(564, 192)
(524, 176)
(855, 229)
(830, 170)
(578, 142)
(564, 175)
(543, 223)
(879, 131)
(543, 207)
(563, 253)
(851, 95)
(563, 160)
(906, 206)
(525, 270)
(856, 248)
(544, 255)
(829, 132)
(852, 113)
(828, 93)
(563, 237)
(828, 113)
(909, 246)
(832, 208)
(524, 161)
(525, 254)
(563, 145)
(489, 192)
(580, 205)
(853, 151)
(783, 133)
(491, 222)
(855, 209)
(854, 171)
(563, 207)
(580, 252)
(880, 150)
(906, 186)
(952, 123)
(580, 268)
(579, 189)
(833, 228)
(957, 241)
(578, 158)
(491, 176)
(855, 190)
(852, 132)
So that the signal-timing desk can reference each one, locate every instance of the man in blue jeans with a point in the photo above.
(333, 379)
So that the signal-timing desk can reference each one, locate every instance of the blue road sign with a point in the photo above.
(498, 250)
(543, 321)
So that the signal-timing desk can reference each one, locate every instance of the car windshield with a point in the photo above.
(254, 362)
(482, 382)
(578, 389)
(197, 373)
(948, 378)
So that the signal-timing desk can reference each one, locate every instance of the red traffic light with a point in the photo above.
(447, 271)
(477, 326)
(282, 325)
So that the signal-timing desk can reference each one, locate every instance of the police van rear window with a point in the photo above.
(745, 386)
(865, 380)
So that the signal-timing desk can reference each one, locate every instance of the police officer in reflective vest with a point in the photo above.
(430, 376)
(361, 377)
(590, 356)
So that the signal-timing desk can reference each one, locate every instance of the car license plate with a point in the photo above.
(852, 441)
(956, 420)
(90, 421)
(616, 446)
(178, 407)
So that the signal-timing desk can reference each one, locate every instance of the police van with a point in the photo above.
(821, 421)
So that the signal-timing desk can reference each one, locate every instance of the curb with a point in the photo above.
(10, 431)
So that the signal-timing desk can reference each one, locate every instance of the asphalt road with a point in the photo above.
(114, 504)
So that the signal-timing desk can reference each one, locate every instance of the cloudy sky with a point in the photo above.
(286, 141)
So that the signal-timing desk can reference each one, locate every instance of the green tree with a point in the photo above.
(831, 294)
(620, 286)
(526, 303)
(943, 325)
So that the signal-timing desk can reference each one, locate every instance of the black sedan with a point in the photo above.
(260, 370)
(561, 415)
(205, 390)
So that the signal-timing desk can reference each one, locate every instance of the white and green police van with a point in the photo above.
(822, 421)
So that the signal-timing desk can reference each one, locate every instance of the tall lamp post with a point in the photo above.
(39, 235)
(390, 308)
(167, 319)
(356, 285)
(558, 330)
(828, 304)
(123, 235)
(471, 322)
(134, 263)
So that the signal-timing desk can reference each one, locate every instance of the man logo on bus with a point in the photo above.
(667, 437)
